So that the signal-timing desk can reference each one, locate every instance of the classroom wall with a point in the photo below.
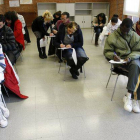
(30, 11)
(2, 9)
(116, 6)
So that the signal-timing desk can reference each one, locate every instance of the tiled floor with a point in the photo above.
(72, 109)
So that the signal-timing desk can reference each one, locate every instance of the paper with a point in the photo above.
(52, 36)
(25, 1)
(14, 3)
(117, 62)
(43, 43)
(73, 54)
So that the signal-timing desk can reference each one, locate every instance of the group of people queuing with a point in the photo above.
(67, 35)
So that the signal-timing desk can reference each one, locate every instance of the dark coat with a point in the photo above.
(7, 39)
(38, 25)
(78, 37)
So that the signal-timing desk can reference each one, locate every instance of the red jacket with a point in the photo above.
(18, 33)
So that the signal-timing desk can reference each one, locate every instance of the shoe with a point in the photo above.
(3, 120)
(4, 110)
(135, 106)
(41, 56)
(127, 103)
(73, 74)
(44, 55)
(77, 73)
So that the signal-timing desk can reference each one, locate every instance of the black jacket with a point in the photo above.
(38, 25)
(78, 37)
(55, 19)
(7, 39)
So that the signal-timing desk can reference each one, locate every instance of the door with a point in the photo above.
(79, 20)
(87, 21)
(60, 7)
(70, 8)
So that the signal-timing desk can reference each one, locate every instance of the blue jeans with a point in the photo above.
(81, 57)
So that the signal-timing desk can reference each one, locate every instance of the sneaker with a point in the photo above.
(4, 110)
(44, 55)
(127, 103)
(3, 120)
(135, 106)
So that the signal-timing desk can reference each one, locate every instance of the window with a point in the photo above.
(131, 8)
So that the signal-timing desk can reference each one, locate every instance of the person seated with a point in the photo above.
(71, 37)
(98, 22)
(24, 28)
(136, 27)
(119, 21)
(110, 28)
(56, 17)
(7, 40)
(15, 24)
(40, 27)
(124, 43)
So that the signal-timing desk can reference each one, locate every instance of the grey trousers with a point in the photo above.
(133, 77)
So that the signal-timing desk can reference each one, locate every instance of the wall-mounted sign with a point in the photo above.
(25, 1)
(14, 3)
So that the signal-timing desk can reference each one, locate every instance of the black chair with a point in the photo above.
(116, 71)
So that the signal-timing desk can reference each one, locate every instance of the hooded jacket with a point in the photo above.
(126, 46)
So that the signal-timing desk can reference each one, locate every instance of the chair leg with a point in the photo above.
(114, 87)
(108, 79)
(21, 56)
(92, 37)
(65, 71)
(6, 90)
(84, 71)
(59, 67)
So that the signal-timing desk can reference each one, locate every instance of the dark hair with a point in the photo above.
(102, 15)
(114, 19)
(58, 13)
(2, 18)
(11, 15)
(73, 25)
(115, 15)
(66, 13)
(127, 22)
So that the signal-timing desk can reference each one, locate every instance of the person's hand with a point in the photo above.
(51, 34)
(68, 46)
(116, 58)
(55, 31)
(101, 25)
(96, 24)
(127, 60)
(62, 45)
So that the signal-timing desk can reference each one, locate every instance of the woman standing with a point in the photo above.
(39, 27)
(98, 22)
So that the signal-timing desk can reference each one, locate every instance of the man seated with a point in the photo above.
(125, 44)
(7, 39)
(71, 37)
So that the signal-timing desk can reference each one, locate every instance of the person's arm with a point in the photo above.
(109, 49)
(95, 21)
(135, 54)
(57, 40)
(10, 43)
(80, 40)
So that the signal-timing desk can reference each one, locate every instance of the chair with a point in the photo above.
(116, 71)
(92, 27)
(64, 60)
